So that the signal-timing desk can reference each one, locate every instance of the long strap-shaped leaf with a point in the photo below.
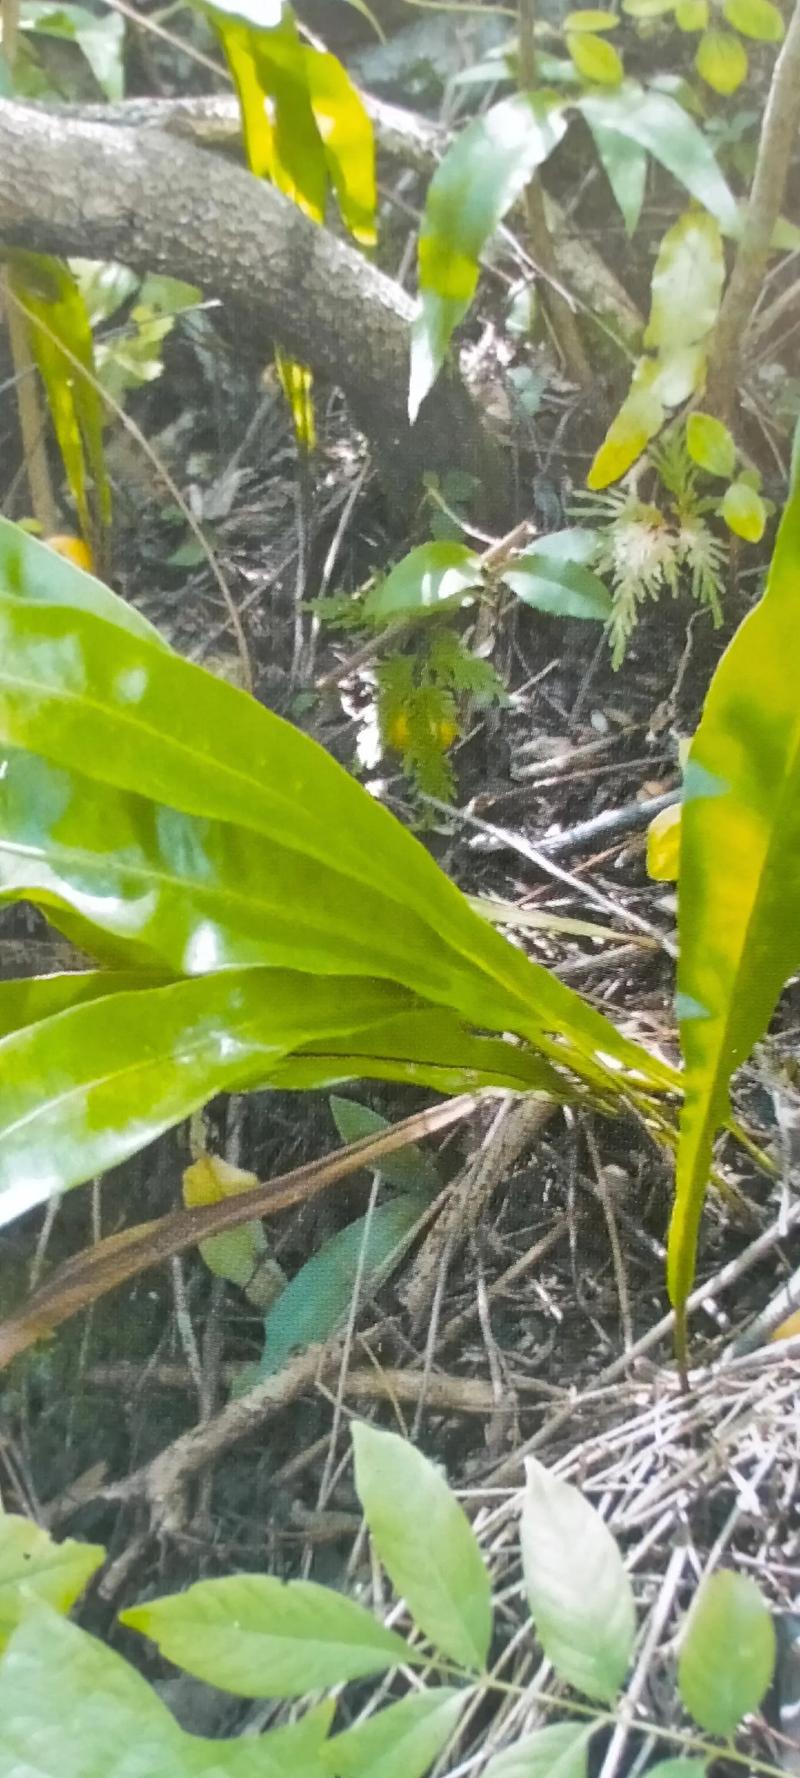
(95, 698)
(739, 885)
(96, 1070)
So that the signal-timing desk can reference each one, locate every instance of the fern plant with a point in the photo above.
(648, 547)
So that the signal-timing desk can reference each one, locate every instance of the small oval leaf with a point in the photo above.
(564, 589)
(691, 15)
(422, 580)
(578, 1591)
(710, 444)
(590, 19)
(426, 1544)
(727, 1655)
(721, 61)
(595, 58)
(755, 18)
(744, 511)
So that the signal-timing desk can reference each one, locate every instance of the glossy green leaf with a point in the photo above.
(31, 571)
(423, 579)
(566, 589)
(660, 125)
(426, 1544)
(559, 1750)
(687, 282)
(474, 186)
(739, 885)
(639, 419)
(32, 1566)
(70, 1707)
(401, 1741)
(170, 732)
(261, 1637)
(692, 15)
(31, 998)
(727, 1654)
(407, 1169)
(81, 1090)
(595, 58)
(755, 18)
(58, 325)
(346, 133)
(317, 1302)
(578, 1591)
(710, 444)
(721, 61)
(625, 165)
(744, 511)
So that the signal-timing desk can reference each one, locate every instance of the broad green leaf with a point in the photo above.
(99, 37)
(426, 1544)
(408, 1169)
(166, 730)
(134, 881)
(727, 1654)
(58, 324)
(578, 1591)
(316, 1304)
(660, 125)
(31, 998)
(625, 167)
(70, 1707)
(595, 58)
(739, 884)
(640, 417)
(755, 18)
(422, 580)
(692, 15)
(85, 1088)
(566, 589)
(710, 444)
(744, 511)
(345, 129)
(721, 61)
(664, 844)
(31, 571)
(560, 1750)
(262, 1637)
(401, 1741)
(32, 1566)
(589, 19)
(687, 282)
(480, 177)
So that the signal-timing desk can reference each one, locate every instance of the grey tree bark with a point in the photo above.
(156, 202)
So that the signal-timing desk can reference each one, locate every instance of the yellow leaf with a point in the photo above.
(691, 15)
(663, 845)
(744, 512)
(638, 420)
(595, 59)
(74, 549)
(721, 61)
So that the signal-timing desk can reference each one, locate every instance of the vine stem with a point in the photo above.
(776, 143)
(565, 327)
